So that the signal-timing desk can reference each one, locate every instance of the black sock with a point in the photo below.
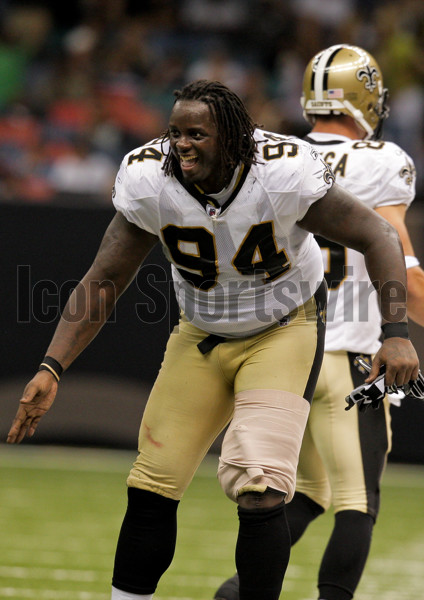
(146, 542)
(300, 512)
(345, 556)
(262, 552)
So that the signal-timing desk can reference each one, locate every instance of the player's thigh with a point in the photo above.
(189, 405)
(284, 357)
(262, 444)
(312, 479)
(353, 446)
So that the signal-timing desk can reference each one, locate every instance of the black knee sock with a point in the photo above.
(262, 552)
(300, 512)
(146, 542)
(345, 556)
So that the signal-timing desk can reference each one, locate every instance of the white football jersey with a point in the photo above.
(380, 174)
(240, 267)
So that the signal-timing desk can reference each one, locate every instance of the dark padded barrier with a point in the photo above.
(45, 251)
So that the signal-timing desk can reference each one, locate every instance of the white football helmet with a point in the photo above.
(346, 80)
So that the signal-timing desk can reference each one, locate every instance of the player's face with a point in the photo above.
(194, 142)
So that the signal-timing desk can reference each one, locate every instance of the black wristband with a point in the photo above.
(53, 366)
(395, 330)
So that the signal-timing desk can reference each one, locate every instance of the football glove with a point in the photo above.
(367, 394)
(372, 394)
(415, 388)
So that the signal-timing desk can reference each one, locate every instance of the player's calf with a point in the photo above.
(263, 545)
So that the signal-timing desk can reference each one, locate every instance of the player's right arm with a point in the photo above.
(340, 217)
(395, 214)
(123, 248)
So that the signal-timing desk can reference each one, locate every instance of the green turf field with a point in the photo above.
(61, 509)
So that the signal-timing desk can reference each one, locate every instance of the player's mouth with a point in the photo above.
(188, 161)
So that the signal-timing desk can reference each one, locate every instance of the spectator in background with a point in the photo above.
(219, 16)
(115, 64)
(24, 158)
(83, 171)
(23, 32)
(217, 64)
(401, 54)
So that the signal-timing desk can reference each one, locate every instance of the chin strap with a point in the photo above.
(383, 114)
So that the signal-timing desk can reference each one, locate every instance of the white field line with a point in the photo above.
(84, 576)
(29, 573)
(10, 592)
(386, 576)
(194, 581)
(403, 577)
(52, 574)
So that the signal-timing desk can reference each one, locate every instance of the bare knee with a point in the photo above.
(266, 499)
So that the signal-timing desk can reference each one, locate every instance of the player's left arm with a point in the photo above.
(395, 214)
(339, 216)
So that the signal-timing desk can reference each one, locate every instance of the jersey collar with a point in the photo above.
(322, 139)
(206, 200)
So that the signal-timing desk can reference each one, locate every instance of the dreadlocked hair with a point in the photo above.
(234, 125)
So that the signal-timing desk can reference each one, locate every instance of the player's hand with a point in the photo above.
(401, 360)
(38, 397)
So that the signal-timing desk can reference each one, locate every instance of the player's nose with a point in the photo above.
(183, 143)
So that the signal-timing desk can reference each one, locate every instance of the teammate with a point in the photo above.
(234, 208)
(344, 453)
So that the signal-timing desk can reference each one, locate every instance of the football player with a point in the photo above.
(234, 208)
(343, 453)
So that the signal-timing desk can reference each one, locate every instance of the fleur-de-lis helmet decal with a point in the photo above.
(369, 76)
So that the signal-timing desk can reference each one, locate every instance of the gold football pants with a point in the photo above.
(262, 384)
(343, 452)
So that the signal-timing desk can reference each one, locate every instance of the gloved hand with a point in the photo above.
(367, 394)
(372, 394)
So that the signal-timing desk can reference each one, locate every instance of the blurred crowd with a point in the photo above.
(84, 82)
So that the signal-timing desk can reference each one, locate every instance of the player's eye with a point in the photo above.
(198, 135)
